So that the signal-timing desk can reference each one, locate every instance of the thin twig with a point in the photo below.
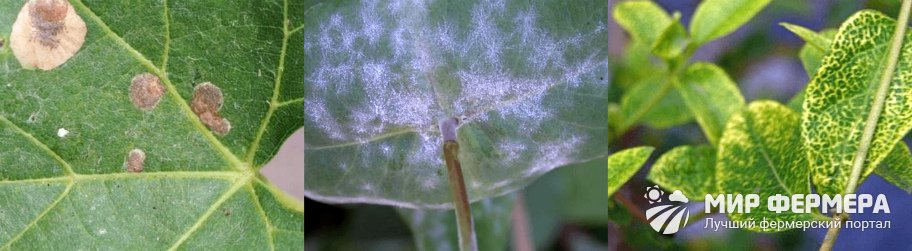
(871, 124)
(631, 207)
(522, 232)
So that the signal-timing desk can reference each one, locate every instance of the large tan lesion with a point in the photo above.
(46, 34)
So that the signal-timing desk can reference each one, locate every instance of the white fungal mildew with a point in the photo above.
(398, 87)
(387, 71)
(46, 34)
(62, 132)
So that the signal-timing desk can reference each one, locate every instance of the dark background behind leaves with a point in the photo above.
(762, 58)
(566, 208)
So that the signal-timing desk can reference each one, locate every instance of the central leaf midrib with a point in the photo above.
(763, 151)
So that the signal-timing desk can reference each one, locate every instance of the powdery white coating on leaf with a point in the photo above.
(46, 34)
(62, 132)
(380, 76)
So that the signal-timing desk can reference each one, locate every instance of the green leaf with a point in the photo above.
(65, 134)
(644, 20)
(711, 96)
(579, 203)
(566, 196)
(436, 229)
(665, 110)
(691, 169)
(818, 41)
(636, 63)
(797, 101)
(528, 78)
(842, 94)
(897, 167)
(672, 42)
(624, 164)
(812, 56)
(717, 18)
(760, 153)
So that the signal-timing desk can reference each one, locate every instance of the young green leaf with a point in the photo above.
(691, 169)
(842, 95)
(66, 135)
(897, 167)
(711, 96)
(797, 101)
(717, 18)
(760, 153)
(672, 42)
(434, 229)
(622, 165)
(645, 102)
(811, 58)
(527, 78)
(644, 20)
(818, 41)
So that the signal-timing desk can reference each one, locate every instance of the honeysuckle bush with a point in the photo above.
(761, 146)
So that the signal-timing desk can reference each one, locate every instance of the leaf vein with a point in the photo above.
(34, 222)
(66, 165)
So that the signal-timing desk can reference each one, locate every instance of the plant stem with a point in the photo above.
(522, 231)
(460, 197)
(651, 103)
(867, 136)
(631, 207)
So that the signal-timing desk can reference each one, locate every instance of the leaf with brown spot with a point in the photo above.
(92, 179)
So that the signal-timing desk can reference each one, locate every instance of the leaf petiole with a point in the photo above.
(460, 197)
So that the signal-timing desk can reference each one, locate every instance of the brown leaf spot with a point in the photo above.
(46, 34)
(135, 161)
(226, 211)
(145, 91)
(47, 18)
(207, 100)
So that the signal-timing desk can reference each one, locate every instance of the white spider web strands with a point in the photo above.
(530, 78)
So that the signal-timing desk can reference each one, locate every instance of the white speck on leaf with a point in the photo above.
(62, 132)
